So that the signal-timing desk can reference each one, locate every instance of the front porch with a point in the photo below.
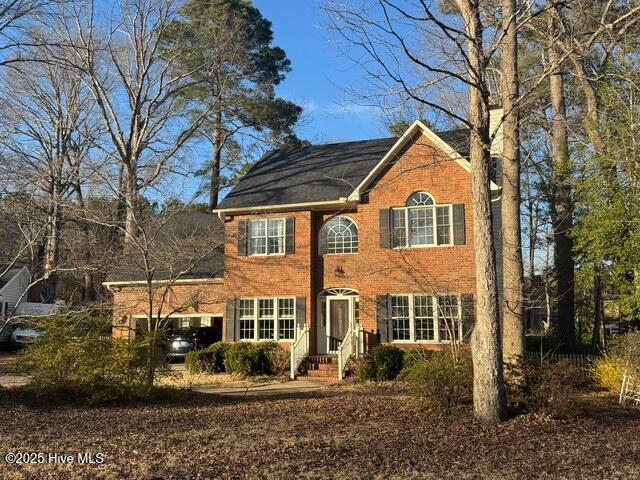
(339, 337)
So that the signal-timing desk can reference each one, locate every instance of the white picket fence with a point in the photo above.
(582, 363)
(630, 391)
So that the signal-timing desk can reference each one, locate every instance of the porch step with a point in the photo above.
(322, 368)
(307, 378)
(322, 359)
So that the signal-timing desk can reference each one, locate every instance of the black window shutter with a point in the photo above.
(459, 230)
(322, 241)
(468, 316)
(301, 312)
(230, 321)
(290, 235)
(385, 232)
(242, 238)
(382, 316)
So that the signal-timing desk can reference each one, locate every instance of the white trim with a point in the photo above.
(266, 237)
(436, 318)
(213, 280)
(341, 203)
(406, 136)
(276, 319)
(329, 220)
(177, 315)
(349, 294)
(434, 207)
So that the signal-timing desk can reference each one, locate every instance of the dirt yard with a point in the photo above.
(339, 432)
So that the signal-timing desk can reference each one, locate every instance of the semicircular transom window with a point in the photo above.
(420, 199)
(339, 235)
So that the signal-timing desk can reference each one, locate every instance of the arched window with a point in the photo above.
(339, 235)
(422, 222)
(420, 199)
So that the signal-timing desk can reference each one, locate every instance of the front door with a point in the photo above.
(339, 315)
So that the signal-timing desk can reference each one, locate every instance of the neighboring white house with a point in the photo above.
(13, 298)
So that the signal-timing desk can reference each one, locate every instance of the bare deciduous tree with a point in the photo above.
(49, 129)
(135, 89)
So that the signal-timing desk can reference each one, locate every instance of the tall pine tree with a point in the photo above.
(226, 47)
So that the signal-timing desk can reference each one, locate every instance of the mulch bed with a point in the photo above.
(352, 432)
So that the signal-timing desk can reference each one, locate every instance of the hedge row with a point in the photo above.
(244, 359)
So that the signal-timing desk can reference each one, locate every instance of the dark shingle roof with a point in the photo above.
(317, 173)
(186, 237)
(457, 139)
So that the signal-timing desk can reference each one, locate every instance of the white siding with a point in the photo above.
(12, 293)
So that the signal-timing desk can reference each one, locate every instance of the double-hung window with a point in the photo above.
(266, 318)
(425, 318)
(246, 317)
(266, 236)
(422, 223)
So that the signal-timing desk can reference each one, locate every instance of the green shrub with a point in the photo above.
(246, 359)
(549, 388)
(210, 359)
(381, 363)
(413, 356)
(443, 386)
(74, 359)
(199, 361)
(219, 350)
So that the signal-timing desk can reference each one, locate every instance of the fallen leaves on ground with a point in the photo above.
(340, 432)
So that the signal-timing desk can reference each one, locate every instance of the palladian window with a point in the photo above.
(338, 235)
(422, 223)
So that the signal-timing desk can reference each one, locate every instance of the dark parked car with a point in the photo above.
(182, 341)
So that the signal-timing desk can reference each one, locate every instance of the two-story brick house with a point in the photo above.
(375, 235)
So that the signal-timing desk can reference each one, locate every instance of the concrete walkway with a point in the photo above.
(10, 380)
(285, 388)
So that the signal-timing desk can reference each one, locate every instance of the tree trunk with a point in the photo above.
(489, 395)
(562, 206)
(88, 286)
(52, 245)
(533, 237)
(513, 324)
(131, 222)
(217, 160)
(597, 340)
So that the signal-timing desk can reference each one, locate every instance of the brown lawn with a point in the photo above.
(341, 432)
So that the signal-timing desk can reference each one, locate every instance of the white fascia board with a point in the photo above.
(406, 136)
(124, 283)
(340, 203)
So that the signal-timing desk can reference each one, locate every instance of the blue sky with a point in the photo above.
(319, 74)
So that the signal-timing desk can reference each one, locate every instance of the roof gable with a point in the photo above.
(440, 140)
(330, 175)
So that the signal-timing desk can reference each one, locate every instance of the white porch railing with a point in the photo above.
(299, 350)
(630, 391)
(352, 345)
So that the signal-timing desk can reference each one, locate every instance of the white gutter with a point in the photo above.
(124, 283)
(342, 202)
